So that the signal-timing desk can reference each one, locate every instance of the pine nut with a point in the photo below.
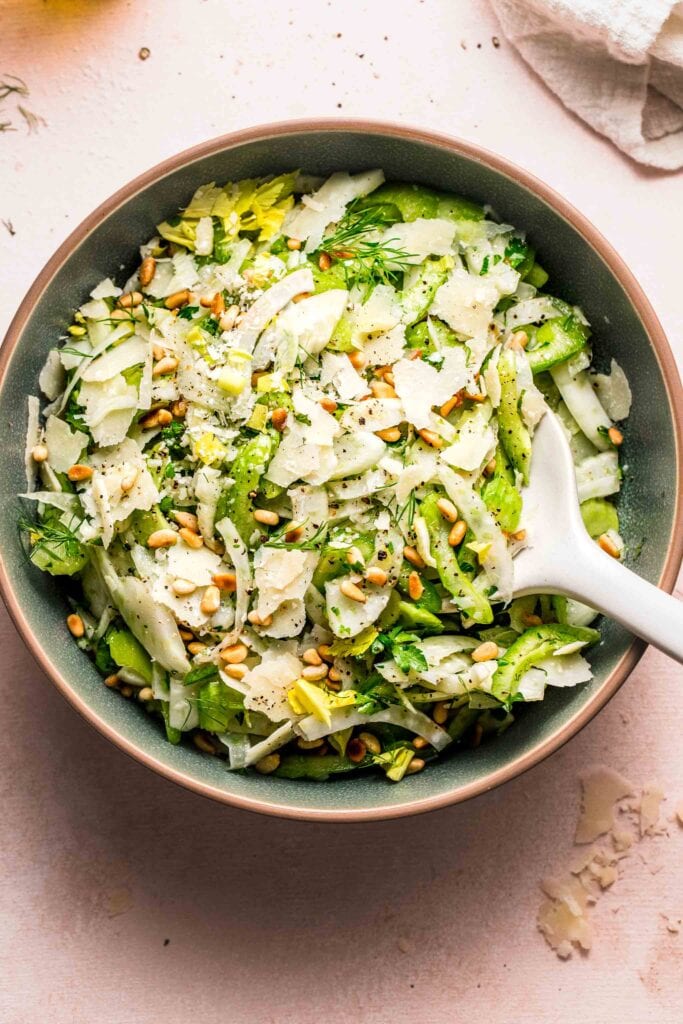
(475, 396)
(389, 434)
(334, 675)
(301, 296)
(412, 556)
(183, 588)
(235, 654)
(145, 694)
(78, 472)
(265, 516)
(111, 681)
(415, 354)
(130, 299)
(615, 436)
(415, 766)
(325, 652)
(415, 586)
(328, 404)
(203, 743)
(452, 403)
(324, 261)
(166, 365)
(303, 744)
(370, 742)
(278, 418)
(430, 437)
(353, 592)
(75, 625)
(186, 519)
(314, 673)
(358, 360)
(192, 539)
(179, 409)
(225, 581)
(156, 418)
(532, 620)
(229, 318)
(177, 299)
(490, 467)
(196, 647)
(218, 305)
(311, 657)
(256, 619)
(236, 671)
(354, 556)
(381, 389)
(129, 479)
(126, 690)
(377, 576)
(185, 634)
(162, 539)
(390, 379)
(356, 750)
(293, 243)
(148, 269)
(420, 743)
(447, 510)
(268, 764)
(295, 535)
(608, 545)
(457, 533)
(485, 652)
(39, 453)
(440, 713)
(520, 535)
(211, 601)
(333, 684)
(518, 340)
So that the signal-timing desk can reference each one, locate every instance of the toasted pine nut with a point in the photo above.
(293, 243)
(430, 437)
(457, 533)
(389, 434)
(415, 766)
(158, 352)
(440, 713)
(354, 556)
(389, 378)
(179, 409)
(177, 299)
(235, 654)
(608, 545)
(356, 750)
(211, 601)
(192, 539)
(412, 556)
(485, 652)
(452, 403)
(156, 418)
(519, 535)
(377, 576)
(532, 620)
(518, 340)
(111, 681)
(301, 296)
(415, 586)
(145, 694)
(334, 675)
(218, 305)
(78, 472)
(447, 510)
(229, 318)
(203, 743)
(75, 625)
(490, 467)
(314, 673)
(236, 671)
(183, 588)
(615, 436)
(265, 516)
(311, 657)
(353, 592)
(256, 619)
(303, 744)
(148, 269)
(475, 396)
(39, 453)
(187, 519)
(420, 743)
(370, 741)
(358, 359)
(324, 261)
(166, 365)
(196, 647)
(295, 535)
(162, 539)
(328, 404)
(130, 299)
(129, 479)
(268, 764)
(185, 634)
(415, 354)
(126, 690)
(278, 418)
(381, 389)
(225, 581)
(333, 684)
(325, 652)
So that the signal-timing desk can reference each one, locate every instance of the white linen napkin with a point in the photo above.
(618, 64)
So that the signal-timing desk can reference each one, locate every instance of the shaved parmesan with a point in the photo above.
(268, 682)
(372, 415)
(52, 379)
(32, 439)
(198, 565)
(281, 575)
(106, 500)
(338, 371)
(420, 386)
(601, 788)
(474, 442)
(120, 357)
(356, 453)
(105, 290)
(385, 349)
(614, 392)
(348, 618)
(327, 205)
(421, 238)
(64, 445)
(465, 302)
(310, 322)
(378, 314)
(259, 315)
(310, 508)
(110, 406)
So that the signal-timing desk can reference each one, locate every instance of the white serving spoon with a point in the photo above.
(562, 558)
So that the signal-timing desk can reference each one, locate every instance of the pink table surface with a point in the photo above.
(129, 901)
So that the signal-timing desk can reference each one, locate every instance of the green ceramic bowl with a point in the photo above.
(584, 269)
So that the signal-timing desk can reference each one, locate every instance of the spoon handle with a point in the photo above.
(604, 583)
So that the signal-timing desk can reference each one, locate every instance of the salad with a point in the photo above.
(281, 471)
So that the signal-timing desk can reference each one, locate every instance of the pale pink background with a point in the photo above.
(430, 919)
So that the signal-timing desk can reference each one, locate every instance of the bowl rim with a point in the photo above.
(653, 329)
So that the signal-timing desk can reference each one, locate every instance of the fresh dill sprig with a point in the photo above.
(277, 539)
(54, 539)
(408, 509)
(365, 262)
